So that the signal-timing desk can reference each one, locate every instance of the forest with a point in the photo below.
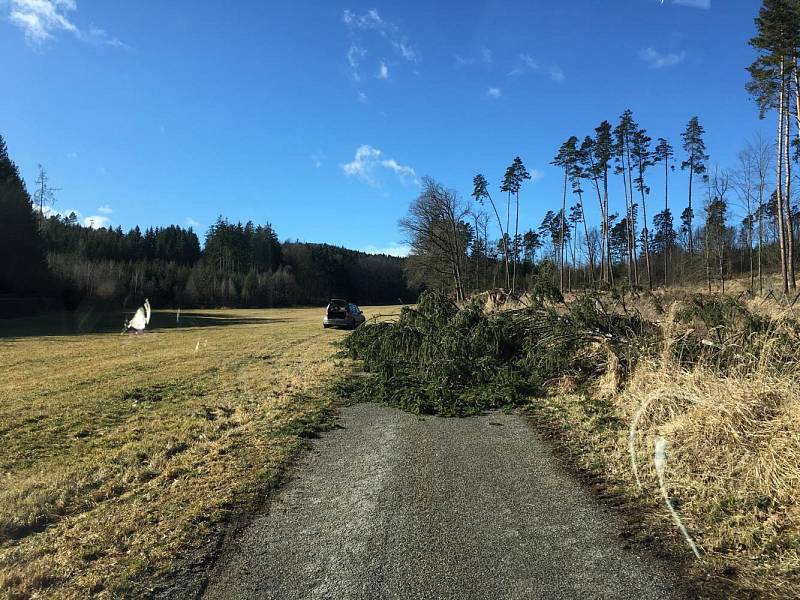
(59, 262)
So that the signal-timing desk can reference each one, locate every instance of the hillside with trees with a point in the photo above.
(237, 265)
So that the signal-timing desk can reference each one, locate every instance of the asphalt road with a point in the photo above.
(398, 506)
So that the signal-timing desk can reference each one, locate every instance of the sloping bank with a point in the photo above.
(710, 384)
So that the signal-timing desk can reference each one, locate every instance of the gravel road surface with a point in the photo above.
(399, 506)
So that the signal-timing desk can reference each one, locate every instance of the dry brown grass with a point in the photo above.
(125, 455)
(733, 467)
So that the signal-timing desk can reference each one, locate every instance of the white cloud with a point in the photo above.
(656, 60)
(354, 57)
(72, 155)
(383, 71)
(372, 23)
(96, 221)
(106, 210)
(42, 20)
(703, 4)
(192, 223)
(395, 249)
(362, 97)
(536, 175)
(556, 74)
(484, 57)
(494, 92)
(526, 63)
(368, 162)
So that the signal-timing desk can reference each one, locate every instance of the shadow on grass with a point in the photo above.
(89, 321)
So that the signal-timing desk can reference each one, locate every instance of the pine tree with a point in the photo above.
(566, 159)
(623, 139)
(643, 158)
(512, 183)
(695, 148)
(481, 193)
(663, 153)
(602, 153)
(773, 77)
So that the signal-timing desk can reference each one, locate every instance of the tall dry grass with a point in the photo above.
(732, 429)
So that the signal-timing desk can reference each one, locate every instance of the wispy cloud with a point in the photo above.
(526, 63)
(362, 97)
(372, 23)
(483, 57)
(72, 155)
(96, 221)
(355, 54)
(43, 20)
(494, 92)
(383, 71)
(395, 249)
(369, 162)
(536, 175)
(702, 4)
(192, 223)
(106, 210)
(657, 60)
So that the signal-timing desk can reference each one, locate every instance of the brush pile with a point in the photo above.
(439, 358)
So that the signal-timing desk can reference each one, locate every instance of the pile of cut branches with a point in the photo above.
(441, 359)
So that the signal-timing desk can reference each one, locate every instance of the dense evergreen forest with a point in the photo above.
(237, 265)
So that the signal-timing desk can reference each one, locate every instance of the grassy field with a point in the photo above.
(123, 456)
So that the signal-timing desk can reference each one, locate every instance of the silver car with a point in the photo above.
(344, 314)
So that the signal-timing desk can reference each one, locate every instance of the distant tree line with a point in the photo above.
(241, 265)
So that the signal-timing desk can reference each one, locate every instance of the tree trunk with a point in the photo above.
(760, 241)
(515, 247)
(589, 250)
(628, 204)
(708, 264)
(788, 188)
(645, 232)
(632, 220)
(667, 245)
(750, 240)
(779, 207)
(507, 239)
(691, 177)
(607, 257)
(646, 243)
(561, 243)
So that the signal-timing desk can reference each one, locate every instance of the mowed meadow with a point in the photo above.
(123, 456)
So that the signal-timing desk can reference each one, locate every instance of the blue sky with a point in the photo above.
(321, 117)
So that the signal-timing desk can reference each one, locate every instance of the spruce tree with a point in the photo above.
(23, 268)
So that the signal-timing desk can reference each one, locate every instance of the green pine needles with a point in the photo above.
(440, 359)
